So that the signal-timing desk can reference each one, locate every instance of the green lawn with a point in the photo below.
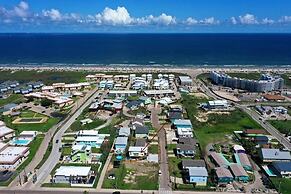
(149, 182)
(153, 149)
(171, 147)
(283, 185)
(174, 163)
(13, 98)
(45, 157)
(33, 147)
(282, 126)
(41, 127)
(66, 151)
(287, 80)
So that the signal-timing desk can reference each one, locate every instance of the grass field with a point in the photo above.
(149, 182)
(287, 80)
(41, 127)
(13, 98)
(254, 76)
(33, 147)
(283, 185)
(282, 126)
(154, 149)
(217, 126)
(174, 163)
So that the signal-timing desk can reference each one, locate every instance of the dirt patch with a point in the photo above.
(203, 116)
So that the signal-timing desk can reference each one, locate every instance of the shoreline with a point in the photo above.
(192, 71)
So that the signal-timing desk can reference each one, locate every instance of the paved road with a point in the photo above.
(55, 154)
(164, 178)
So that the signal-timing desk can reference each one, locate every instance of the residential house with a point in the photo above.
(186, 147)
(120, 144)
(219, 160)
(273, 155)
(6, 133)
(136, 152)
(141, 131)
(261, 140)
(124, 132)
(11, 157)
(223, 175)
(74, 175)
(243, 160)
(282, 169)
(239, 173)
(197, 176)
(192, 163)
(183, 128)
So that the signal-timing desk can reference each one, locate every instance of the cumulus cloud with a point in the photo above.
(19, 11)
(248, 19)
(233, 20)
(191, 21)
(267, 21)
(120, 16)
(209, 21)
(162, 19)
(52, 14)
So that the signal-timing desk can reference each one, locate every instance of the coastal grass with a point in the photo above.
(33, 147)
(284, 126)
(217, 126)
(283, 185)
(287, 81)
(13, 98)
(248, 75)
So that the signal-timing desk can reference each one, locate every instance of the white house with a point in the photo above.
(73, 174)
(137, 151)
(11, 157)
(6, 133)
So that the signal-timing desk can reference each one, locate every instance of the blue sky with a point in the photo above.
(145, 16)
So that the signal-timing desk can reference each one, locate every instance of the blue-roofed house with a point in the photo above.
(272, 155)
(281, 169)
(120, 144)
(182, 123)
(197, 175)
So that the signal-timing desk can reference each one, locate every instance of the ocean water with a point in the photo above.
(146, 49)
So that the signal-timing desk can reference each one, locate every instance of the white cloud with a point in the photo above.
(267, 21)
(21, 10)
(52, 14)
(191, 21)
(120, 16)
(248, 19)
(285, 19)
(209, 21)
(233, 20)
(162, 19)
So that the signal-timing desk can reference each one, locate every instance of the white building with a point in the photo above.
(6, 133)
(185, 80)
(137, 151)
(72, 174)
(11, 157)
(217, 104)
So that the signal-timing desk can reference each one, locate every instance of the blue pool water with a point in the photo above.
(20, 141)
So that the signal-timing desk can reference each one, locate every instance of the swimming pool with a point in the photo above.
(20, 142)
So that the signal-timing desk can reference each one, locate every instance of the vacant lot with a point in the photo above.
(135, 175)
(282, 126)
(217, 125)
(283, 184)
